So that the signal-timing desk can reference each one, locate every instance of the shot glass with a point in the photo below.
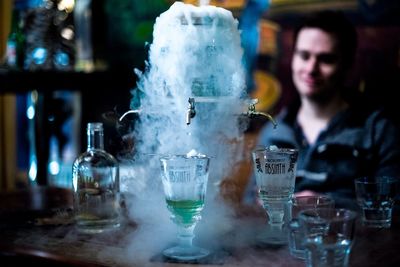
(376, 197)
(298, 204)
(327, 236)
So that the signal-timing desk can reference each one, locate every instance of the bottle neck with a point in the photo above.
(95, 139)
(15, 20)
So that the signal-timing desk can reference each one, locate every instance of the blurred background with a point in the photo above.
(65, 63)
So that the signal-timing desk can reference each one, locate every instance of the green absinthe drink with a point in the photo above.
(186, 212)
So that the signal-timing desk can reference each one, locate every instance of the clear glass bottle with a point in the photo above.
(95, 176)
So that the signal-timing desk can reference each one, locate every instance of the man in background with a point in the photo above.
(339, 138)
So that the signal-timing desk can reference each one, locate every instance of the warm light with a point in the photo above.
(67, 33)
(34, 96)
(67, 5)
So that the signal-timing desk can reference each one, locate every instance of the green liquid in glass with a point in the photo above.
(185, 212)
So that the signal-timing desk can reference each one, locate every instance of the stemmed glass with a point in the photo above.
(275, 170)
(185, 182)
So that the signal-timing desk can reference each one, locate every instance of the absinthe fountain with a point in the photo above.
(195, 53)
(188, 101)
(195, 57)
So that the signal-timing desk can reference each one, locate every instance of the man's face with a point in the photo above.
(315, 64)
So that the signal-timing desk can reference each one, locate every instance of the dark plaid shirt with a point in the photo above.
(357, 142)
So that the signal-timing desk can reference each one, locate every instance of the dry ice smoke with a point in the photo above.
(195, 53)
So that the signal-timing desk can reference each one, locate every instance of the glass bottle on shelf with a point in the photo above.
(95, 176)
(15, 42)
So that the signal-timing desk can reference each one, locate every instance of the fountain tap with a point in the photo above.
(251, 112)
(251, 109)
(191, 112)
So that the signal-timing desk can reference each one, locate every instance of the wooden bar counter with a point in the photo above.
(36, 228)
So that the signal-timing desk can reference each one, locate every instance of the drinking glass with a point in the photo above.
(376, 198)
(275, 170)
(300, 203)
(327, 236)
(184, 180)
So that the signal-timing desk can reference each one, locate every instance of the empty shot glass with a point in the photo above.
(328, 235)
(298, 204)
(376, 196)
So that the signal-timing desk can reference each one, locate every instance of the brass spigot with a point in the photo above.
(251, 109)
(191, 112)
(252, 112)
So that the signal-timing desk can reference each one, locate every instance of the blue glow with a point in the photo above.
(39, 55)
(33, 169)
(54, 167)
(30, 112)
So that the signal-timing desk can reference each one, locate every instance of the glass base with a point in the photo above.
(272, 236)
(186, 253)
(377, 218)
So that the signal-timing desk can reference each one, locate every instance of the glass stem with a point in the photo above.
(275, 215)
(186, 235)
(276, 226)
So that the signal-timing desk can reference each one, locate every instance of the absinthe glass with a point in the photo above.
(275, 170)
(184, 180)
(96, 185)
